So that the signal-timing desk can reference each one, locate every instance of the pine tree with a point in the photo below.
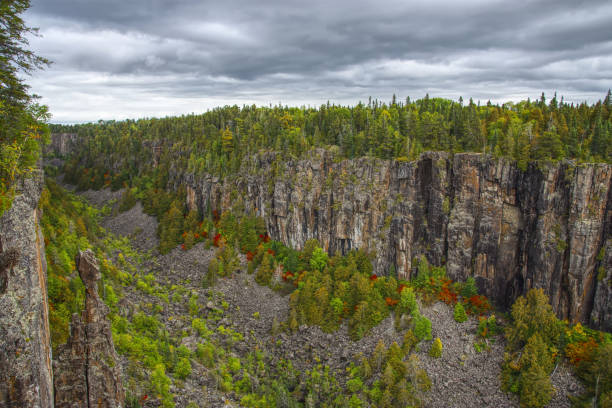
(410, 340)
(469, 288)
(536, 388)
(548, 146)
(459, 313)
(378, 357)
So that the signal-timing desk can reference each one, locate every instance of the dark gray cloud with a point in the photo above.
(118, 58)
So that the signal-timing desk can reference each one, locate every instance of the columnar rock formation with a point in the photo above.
(86, 369)
(547, 227)
(62, 144)
(25, 349)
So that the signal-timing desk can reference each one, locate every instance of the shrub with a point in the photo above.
(407, 303)
(161, 385)
(206, 354)
(199, 325)
(318, 259)
(459, 313)
(182, 369)
(422, 327)
(436, 348)
(487, 327)
(354, 385)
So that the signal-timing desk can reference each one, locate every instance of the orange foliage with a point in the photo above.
(447, 293)
(250, 256)
(580, 351)
(391, 302)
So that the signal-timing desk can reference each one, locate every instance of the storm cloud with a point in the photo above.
(115, 59)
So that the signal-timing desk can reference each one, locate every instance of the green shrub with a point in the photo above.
(422, 326)
(182, 369)
(354, 385)
(407, 303)
(206, 354)
(161, 386)
(199, 325)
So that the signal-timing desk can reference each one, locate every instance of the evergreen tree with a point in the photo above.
(436, 348)
(469, 288)
(536, 390)
(459, 313)
(22, 122)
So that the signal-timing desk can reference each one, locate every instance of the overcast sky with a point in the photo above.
(117, 59)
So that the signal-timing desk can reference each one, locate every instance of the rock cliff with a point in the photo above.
(512, 230)
(87, 373)
(62, 144)
(549, 226)
(25, 349)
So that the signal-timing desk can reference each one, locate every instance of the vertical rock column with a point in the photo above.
(86, 370)
(25, 350)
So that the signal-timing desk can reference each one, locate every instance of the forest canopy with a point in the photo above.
(217, 142)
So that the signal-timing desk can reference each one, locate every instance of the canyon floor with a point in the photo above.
(462, 377)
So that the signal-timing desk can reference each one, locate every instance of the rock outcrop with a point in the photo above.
(86, 369)
(483, 217)
(25, 348)
(62, 144)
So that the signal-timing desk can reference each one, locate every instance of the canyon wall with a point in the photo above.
(25, 348)
(546, 227)
(549, 226)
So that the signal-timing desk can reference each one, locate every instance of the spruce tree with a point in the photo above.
(436, 348)
(459, 313)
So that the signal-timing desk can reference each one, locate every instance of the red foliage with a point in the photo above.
(215, 215)
(196, 235)
(183, 247)
(391, 302)
(144, 398)
(271, 252)
(447, 293)
(264, 238)
(400, 288)
(217, 239)
(250, 256)
(478, 304)
(373, 277)
(204, 233)
(287, 275)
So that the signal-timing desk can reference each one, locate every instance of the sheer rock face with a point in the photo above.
(483, 217)
(62, 144)
(25, 348)
(86, 370)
